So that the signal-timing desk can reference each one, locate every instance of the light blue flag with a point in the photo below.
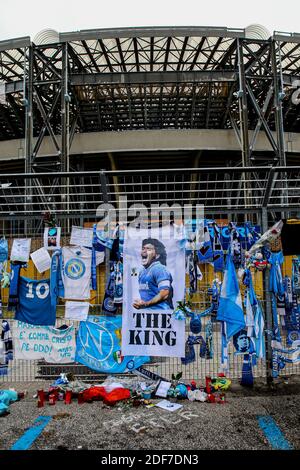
(230, 308)
(98, 346)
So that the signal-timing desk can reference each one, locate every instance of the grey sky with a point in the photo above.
(26, 18)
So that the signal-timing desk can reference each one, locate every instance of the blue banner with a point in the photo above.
(98, 346)
(225, 235)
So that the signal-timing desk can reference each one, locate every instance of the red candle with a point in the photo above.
(68, 397)
(80, 398)
(52, 399)
(41, 398)
(208, 384)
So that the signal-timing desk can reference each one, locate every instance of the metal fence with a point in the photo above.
(238, 194)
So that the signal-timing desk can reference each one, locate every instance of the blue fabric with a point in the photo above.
(247, 376)
(251, 235)
(35, 305)
(56, 282)
(6, 398)
(94, 270)
(230, 310)
(98, 346)
(190, 351)
(276, 280)
(258, 339)
(218, 253)
(152, 280)
(101, 239)
(14, 286)
(276, 330)
(6, 337)
(209, 354)
(205, 253)
(3, 250)
(108, 305)
(235, 245)
(32, 433)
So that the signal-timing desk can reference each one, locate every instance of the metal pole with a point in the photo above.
(28, 99)
(243, 109)
(268, 308)
(243, 106)
(106, 200)
(278, 97)
(65, 98)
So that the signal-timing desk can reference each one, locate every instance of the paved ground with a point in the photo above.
(196, 426)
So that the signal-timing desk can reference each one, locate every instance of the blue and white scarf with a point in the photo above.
(235, 245)
(205, 252)
(13, 298)
(6, 338)
(218, 252)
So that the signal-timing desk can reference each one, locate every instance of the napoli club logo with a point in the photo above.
(75, 268)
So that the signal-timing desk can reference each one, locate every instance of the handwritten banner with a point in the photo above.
(44, 342)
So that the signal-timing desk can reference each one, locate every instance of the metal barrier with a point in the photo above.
(227, 193)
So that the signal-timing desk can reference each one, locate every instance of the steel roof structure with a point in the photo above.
(149, 79)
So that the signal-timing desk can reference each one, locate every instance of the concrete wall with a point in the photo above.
(102, 142)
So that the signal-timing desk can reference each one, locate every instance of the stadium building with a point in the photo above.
(212, 113)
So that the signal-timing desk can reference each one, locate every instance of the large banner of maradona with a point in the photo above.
(154, 281)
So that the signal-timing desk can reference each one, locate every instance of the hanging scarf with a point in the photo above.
(108, 305)
(6, 338)
(251, 235)
(190, 351)
(276, 330)
(195, 323)
(205, 252)
(209, 353)
(247, 375)
(3, 250)
(1, 312)
(56, 282)
(224, 348)
(235, 245)
(257, 332)
(292, 318)
(218, 253)
(214, 291)
(13, 298)
(118, 287)
(296, 275)
(276, 279)
(249, 316)
(191, 271)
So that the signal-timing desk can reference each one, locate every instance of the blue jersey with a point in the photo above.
(35, 305)
(151, 281)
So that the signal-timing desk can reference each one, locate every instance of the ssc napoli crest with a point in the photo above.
(75, 268)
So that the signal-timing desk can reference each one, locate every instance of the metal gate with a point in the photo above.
(260, 194)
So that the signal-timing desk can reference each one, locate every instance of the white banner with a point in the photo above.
(44, 342)
(20, 249)
(81, 236)
(154, 281)
(41, 259)
(76, 310)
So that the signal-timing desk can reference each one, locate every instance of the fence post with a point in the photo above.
(268, 309)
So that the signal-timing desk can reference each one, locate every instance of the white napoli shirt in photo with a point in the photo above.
(76, 272)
